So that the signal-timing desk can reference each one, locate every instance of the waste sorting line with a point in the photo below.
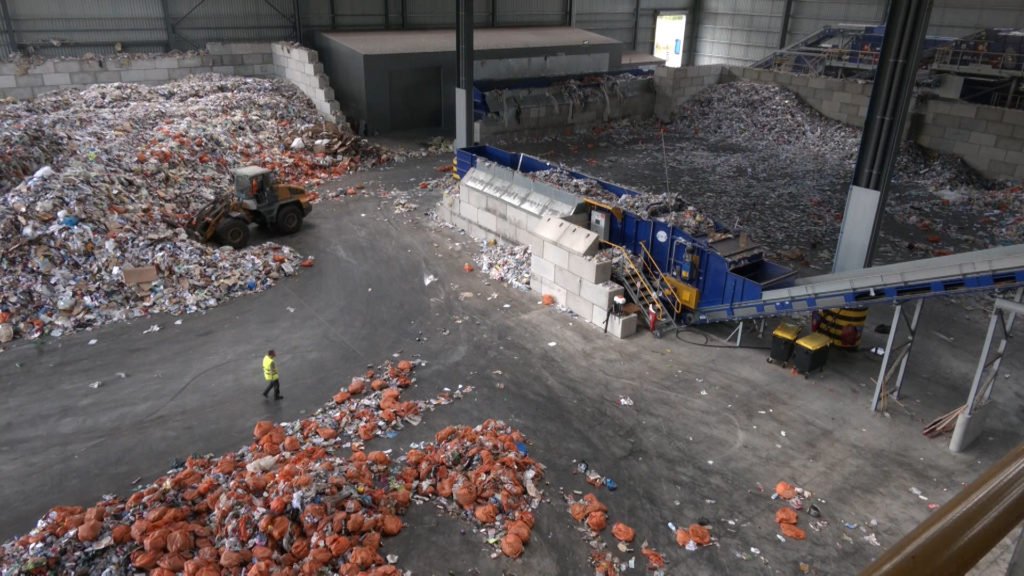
(712, 275)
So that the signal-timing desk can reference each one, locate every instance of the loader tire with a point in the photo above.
(289, 219)
(233, 232)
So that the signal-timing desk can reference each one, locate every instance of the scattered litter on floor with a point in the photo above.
(303, 498)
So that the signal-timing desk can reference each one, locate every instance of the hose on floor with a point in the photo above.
(707, 342)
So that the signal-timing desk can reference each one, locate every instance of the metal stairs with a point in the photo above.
(646, 284)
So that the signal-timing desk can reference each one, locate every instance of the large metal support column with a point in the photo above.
(907, 23)
(884, 385)
(692, 26)
(298, 21)
(570, 13)
(168, 25)
(787, 12)
(968, 424)
(959, 534)
(636, 26)
(5, 14)
(464, 87)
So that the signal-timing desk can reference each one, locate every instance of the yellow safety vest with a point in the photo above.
(269, 369)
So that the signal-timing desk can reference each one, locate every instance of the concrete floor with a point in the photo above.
(704, 433)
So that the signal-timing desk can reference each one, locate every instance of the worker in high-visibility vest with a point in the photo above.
(270, 375)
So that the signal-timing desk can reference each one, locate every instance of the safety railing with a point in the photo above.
(639, 284)
(652, 265)
(957, 59)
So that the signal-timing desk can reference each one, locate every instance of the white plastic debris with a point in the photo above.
(44, 172)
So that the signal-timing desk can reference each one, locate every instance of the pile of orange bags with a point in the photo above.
(480, 470)
(591, 512)
(786, 518)
(288, 504)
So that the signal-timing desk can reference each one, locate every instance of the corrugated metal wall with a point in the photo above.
(809, 16)
(730, 31)
(618, 19)
(196, 23)
(611, 18)
(7, 42)
(738, 31)
(960, 18)
(74, 28)
(727, 36)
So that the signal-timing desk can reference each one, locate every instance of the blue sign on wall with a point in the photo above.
(679, 46)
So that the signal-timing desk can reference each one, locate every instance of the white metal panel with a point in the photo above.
(518, 189)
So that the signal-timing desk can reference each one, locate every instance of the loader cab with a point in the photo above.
(254, 187)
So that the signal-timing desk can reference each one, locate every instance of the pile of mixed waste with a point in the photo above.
(759, 160)
(99, 182)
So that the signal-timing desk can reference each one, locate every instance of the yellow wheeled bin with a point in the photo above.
(783, 339)
(810, 353)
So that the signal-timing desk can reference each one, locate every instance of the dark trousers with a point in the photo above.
(275, 386)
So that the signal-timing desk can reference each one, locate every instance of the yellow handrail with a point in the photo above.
(647, 293)
(649, 259)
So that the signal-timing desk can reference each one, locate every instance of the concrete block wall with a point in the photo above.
(240, 59)
(842, 100)
(674, 86)
(562, 262)
(567, 270)
(989, 139)
(302, 67)
(298, 65)
(540, 110)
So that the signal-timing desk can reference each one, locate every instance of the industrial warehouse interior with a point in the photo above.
(496, 287)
